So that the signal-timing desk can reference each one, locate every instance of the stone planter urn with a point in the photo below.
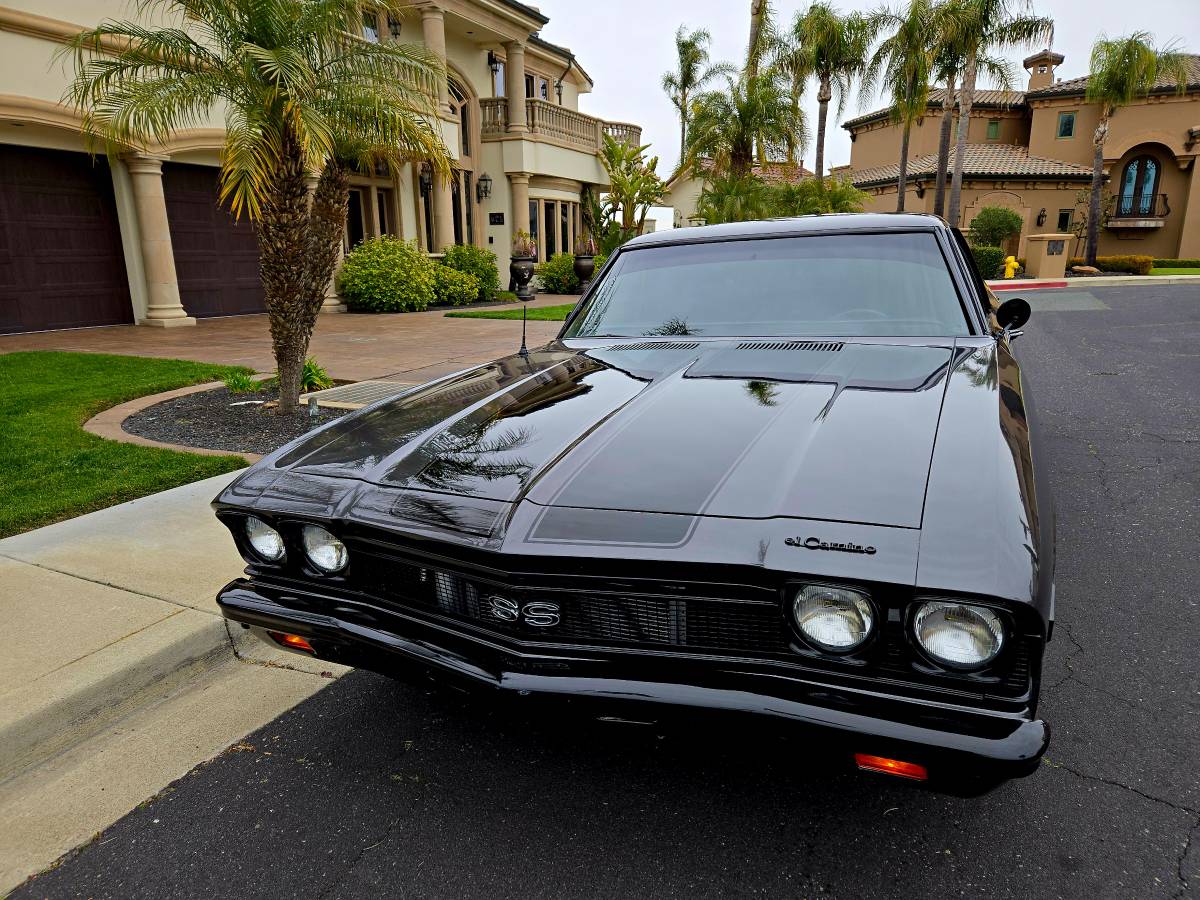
(585, 267)
(521, 270)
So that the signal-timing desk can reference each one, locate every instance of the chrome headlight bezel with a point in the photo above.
(249, 525)
(995, 619)
(313, 538)
(864, 605)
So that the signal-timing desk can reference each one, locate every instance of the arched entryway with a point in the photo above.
(464, 107)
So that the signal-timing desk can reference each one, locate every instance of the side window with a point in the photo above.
(1066, 125)
(993, 130)
(1064, 220)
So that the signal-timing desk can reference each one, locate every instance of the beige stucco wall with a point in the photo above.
(878, 144)
(684, 197)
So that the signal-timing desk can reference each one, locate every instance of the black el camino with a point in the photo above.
(779, 472)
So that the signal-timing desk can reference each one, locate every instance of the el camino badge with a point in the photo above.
(812, 543)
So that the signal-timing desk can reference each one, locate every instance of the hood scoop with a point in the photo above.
(810, 346)
(653, 345)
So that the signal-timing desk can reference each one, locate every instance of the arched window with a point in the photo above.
(1139, 184)
(461, 106)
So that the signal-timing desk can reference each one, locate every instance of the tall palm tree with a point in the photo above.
(298, 94)
(728, 127)
(832, 48)
(691, 74)
(762, 36)
(901, 67)
(1122, 71)
(988, 25)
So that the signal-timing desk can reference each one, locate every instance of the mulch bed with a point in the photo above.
(221, 420)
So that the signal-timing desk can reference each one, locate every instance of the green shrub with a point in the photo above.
(387, 275)
(506, 297)
(454, 288)
(1138, 265)
(993, 225)
(478, 262)
(241, 383)
(314, 377)
(1177, 264)
(989, 260)
(557, 274)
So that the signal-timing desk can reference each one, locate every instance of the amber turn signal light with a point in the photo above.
(292, 640)
(887, 766)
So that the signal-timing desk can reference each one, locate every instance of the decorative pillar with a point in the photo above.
(433, 32)
(514, 86)
(520, 201)
(163, 306)
(443, 214)
(333, 303)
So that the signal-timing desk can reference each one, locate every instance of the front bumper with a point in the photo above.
(966, 751)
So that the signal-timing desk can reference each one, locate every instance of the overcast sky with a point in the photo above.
(626, 46)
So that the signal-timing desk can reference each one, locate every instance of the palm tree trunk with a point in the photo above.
(753, 50)
(683, 122)
(282, 247)
(960, 147)
(327, 221)
(902, 181)
(1093, 221)
(824, 95)
(939, 196)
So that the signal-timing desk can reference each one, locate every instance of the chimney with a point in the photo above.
(1041, 68)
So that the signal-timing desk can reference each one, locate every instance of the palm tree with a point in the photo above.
(832, 48)
(1121, 71)
(298, 94)
(987, 25)
(901, 67)
(762, 36)
(728, 127)
(692, 73)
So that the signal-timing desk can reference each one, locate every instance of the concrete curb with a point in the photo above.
(1013, 284)
(108, 423)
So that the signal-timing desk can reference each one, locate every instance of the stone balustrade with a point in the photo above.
(557, 123)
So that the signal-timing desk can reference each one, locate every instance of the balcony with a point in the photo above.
(1141, 212)
(554, 123)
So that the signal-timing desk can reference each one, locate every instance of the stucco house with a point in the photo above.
(683, 189)
(86, 240)
(1032, 151)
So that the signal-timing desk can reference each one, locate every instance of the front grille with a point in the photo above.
(587, 617)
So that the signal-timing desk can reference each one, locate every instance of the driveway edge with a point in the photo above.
(107, 424)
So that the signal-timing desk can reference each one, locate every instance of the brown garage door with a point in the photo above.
(216, 258)
(61, 263)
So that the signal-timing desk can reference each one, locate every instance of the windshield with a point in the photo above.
(871, 285)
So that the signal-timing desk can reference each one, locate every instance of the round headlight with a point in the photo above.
(957, 635)
(324, 551)
(266, 541)
(832, 618)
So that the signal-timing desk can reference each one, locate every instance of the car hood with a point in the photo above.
(831, 430)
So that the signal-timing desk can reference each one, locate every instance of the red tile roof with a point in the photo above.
(1077, 86)
(983, 161)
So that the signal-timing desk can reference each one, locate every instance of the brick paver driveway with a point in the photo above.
(416, 346)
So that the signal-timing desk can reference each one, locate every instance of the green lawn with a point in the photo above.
(51, 469)
(1175, 271)
(536, 313)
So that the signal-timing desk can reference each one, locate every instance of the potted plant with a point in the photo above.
(524, 256)
(585, 262)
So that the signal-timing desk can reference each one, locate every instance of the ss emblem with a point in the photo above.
(537, 614)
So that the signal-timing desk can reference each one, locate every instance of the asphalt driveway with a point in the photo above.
(372, 787)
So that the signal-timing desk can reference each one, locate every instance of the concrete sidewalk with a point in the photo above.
(124, 675)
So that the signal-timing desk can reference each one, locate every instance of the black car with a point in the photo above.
(785, 468)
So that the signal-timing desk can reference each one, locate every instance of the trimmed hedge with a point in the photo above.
(1177, 264)
(478, 262)
(557, 274)
(1138, 265)
(990, 260)
(454, 288)
(387, 275)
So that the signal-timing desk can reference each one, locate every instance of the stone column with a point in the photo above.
(163, 306)
(514, 85)
(333, 303)
(433, 32)
(520, 201)
(443, 214)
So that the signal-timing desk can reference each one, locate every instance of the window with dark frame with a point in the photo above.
(1139, 183)
(370, 27)
(1064, 220)
(533, 225)
(385, 206)
(1066, 125)
(551, 243)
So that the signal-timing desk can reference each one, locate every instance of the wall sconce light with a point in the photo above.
(483, 187)
(425, 178)
(921, 189)
(493, 63)
(394, 27)
(558, 91)
(1041, 218)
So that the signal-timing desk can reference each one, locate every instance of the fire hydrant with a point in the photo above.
(1010, 266)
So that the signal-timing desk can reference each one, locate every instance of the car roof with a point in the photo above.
(799, 225)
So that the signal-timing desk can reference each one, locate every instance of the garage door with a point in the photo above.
(216, 258)
(61, 263)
